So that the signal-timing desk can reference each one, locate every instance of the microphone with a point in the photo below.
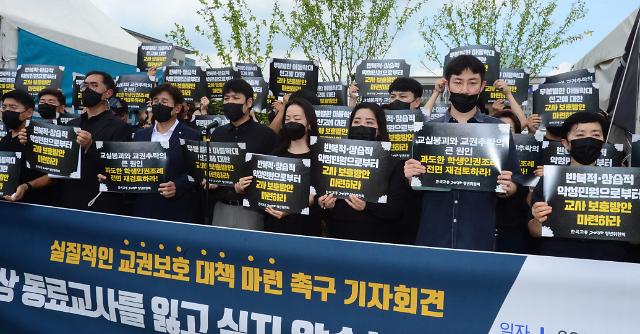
(212, 125)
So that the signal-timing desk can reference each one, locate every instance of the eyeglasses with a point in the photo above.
(91, 85)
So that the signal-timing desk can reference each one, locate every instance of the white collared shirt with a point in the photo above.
(157, 136)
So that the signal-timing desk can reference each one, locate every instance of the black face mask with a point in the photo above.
(294, 130)
(161, 113)
(462, 102)
(233, 111)
(11, 119)
(586, 150)
(91, 98)
(397, 105)
(362, 133)
(47, 111)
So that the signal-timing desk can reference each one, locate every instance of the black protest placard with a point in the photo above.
(579, 76)
(247, 70)
(76, 94)
(208, 123)
(333, 121)
(439, 110)
(461, 156)
(289, 75)
(528, 151)
(216, 77)
(190, 80)
(332, 93)
(226, 161)
(154, 55)
(401, 125)
(518, 81)
(53, 149)
(7, 79)
(556, 102)
(554, 153)
(260, 92)
(132, 167)
(134, 89)
(346, 167)
(34, 78)
(592, 203)
(374, 77)
(487, 54)
(10, 164)
(280, 183)
(65, 118)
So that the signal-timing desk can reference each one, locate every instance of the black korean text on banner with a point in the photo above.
(226, 161)
(518, 81)
(134, 89)
(554, 153)
(333, 121)
(247, 70)
(216, 77)
(7, 79)
(154, 55)
(289, 75)
(635, 150)
(578, 76)
(283, 184)
(346, 167)
(34, 78)
(332, 93)
(592, 203)
(374, 77)
(461, 156)
(556, 102)
(190, 80)
(76, 94)
(10, 163)
(132, 167)
(401, 125)
(528, 151)
(53, 149)
(260, 92)
(439, 110)
(488, 55)
(208, 123)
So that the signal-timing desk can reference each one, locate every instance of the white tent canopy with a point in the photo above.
(605, 57)
(76, 24)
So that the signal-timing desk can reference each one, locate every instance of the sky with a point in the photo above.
(156, 18)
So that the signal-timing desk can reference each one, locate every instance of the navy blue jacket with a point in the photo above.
(182, 206)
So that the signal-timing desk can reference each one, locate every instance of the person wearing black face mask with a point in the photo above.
(237, 104)
(404, 94)
(51, 104)
(354, 218)
(176, 196)
(583, 136)
(17, 108)
(463, 219)
(97, 123)
(298, 124)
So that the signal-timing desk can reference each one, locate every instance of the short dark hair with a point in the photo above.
(404, 84)
(378, 112)
(464, 62)
(175, 93)
(509, 114)
(21, 96)
(306, 94)
(107, 79)
(582, 118)
(55, 92)
(238, 86)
